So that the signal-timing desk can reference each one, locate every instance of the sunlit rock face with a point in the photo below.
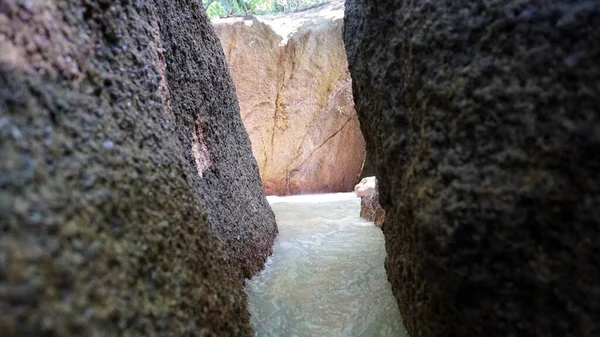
(483, 124)
(130, 202)
(295, 95)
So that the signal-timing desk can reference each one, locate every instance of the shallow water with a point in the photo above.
(326, 275)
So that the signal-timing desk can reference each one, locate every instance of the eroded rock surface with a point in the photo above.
(130, 203)
(295, 95)
(482, 120)
(370, 209)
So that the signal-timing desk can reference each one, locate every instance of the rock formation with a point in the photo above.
(370, 209)
(130, 203)
(482, 120)
(295, 95)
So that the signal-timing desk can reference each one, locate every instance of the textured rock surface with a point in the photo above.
(130, 203)
(296, 99)
(367, 169)
(370, 209)
(365, 187)
(482, 120)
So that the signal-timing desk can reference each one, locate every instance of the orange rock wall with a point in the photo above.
(296, 104)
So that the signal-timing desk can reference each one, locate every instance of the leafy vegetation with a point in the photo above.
(220, 8)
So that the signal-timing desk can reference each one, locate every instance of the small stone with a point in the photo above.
(95, 248)
(77, 259)
(108, 144)
(70, 229)
(78, 245)
(370, 209)
(16, 133)
(36, 218)
(29, 4)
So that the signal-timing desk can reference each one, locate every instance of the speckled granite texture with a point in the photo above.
(130, 203)
(482, 121)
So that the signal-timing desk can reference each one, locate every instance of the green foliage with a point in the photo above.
(220, 8)
(296, 5)
(215, 9)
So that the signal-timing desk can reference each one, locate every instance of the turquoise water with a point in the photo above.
(326, 275)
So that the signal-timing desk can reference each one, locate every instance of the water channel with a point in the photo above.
(326, 276)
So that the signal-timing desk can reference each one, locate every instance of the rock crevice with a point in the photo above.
(296, 101)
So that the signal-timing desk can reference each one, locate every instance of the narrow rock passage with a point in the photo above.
(326, 276)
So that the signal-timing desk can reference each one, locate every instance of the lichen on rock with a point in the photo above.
(107, 227)
(481, 119)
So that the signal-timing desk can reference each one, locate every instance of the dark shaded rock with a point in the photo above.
(367, 168)
(482, 120)
(130, 203)
(370, 209)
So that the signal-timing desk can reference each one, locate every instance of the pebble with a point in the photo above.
(16, 133)
(108, 144)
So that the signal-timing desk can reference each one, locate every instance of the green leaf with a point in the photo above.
(215, 9)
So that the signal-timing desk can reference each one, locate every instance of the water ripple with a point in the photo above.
(326, 275)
